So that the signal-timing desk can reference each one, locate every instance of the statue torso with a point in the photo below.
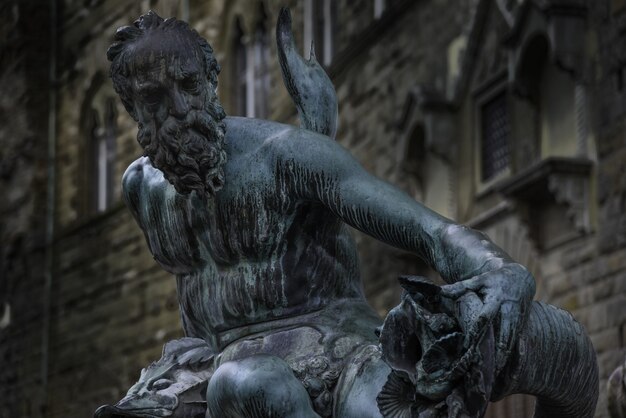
(252, 253)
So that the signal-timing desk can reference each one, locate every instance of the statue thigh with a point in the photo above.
(359, 385)
(258, 386)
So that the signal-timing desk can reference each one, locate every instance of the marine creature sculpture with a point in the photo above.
(439, 372)
(250, 215)
(176, 382)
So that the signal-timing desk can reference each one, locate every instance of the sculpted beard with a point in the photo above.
(189, 152)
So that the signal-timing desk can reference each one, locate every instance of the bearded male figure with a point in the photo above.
(250, 215)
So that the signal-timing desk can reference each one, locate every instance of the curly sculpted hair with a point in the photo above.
(119, 53)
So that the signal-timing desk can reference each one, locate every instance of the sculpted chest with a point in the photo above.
(183, 231)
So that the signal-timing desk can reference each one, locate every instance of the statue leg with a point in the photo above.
(261, 386)
(360, 384)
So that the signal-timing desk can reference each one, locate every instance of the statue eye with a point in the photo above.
(190, 84)
(162, 384)
(152, 97)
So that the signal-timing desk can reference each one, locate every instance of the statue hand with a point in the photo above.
(506, 294)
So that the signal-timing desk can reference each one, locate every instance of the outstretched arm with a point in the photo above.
(323, 171)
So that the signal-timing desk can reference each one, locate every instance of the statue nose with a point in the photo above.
(178, 107)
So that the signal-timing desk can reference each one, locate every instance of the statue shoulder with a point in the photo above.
(311, 150)
(257, 142)
(247, 135)
(254, 146)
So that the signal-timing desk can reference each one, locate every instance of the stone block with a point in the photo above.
(606, 340)
(609, 361)
(593, 318)
(557, 285)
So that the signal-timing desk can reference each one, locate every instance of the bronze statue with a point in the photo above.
(250, 215)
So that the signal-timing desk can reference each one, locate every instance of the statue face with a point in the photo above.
(179, 116)
(167, 82)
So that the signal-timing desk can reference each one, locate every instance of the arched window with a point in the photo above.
(102, 147)
(427, 174)
(252, 78)
(240, 84)
(319, 27)
(552, 93)
(261, 58)
(99, 132)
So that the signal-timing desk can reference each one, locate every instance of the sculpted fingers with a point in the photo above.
(510, 320)
(458, 289)
(489, 310)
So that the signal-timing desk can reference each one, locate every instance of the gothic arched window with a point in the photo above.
(319, 27)
(251, 73)
(261, 52)
(104, 156)
(240, 84)
(101, 147)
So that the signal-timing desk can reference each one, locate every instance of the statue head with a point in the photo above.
(166, 75)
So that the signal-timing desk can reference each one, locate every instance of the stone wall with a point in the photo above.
(23, 135)
(113, 310)
(588, 276)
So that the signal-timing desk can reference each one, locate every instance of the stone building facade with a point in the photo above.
(506, 115)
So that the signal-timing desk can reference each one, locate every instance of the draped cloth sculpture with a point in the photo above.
(250, 215)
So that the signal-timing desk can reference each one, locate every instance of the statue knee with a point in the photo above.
(257, 386)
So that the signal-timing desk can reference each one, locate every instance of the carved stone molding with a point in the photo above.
(574, 192)
(564, 181)
(563, 24)
(427, 106)
(427, 111)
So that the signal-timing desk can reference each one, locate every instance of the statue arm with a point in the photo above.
(323, 171)
(326, 172)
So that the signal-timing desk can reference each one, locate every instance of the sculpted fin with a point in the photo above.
(308, 84)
